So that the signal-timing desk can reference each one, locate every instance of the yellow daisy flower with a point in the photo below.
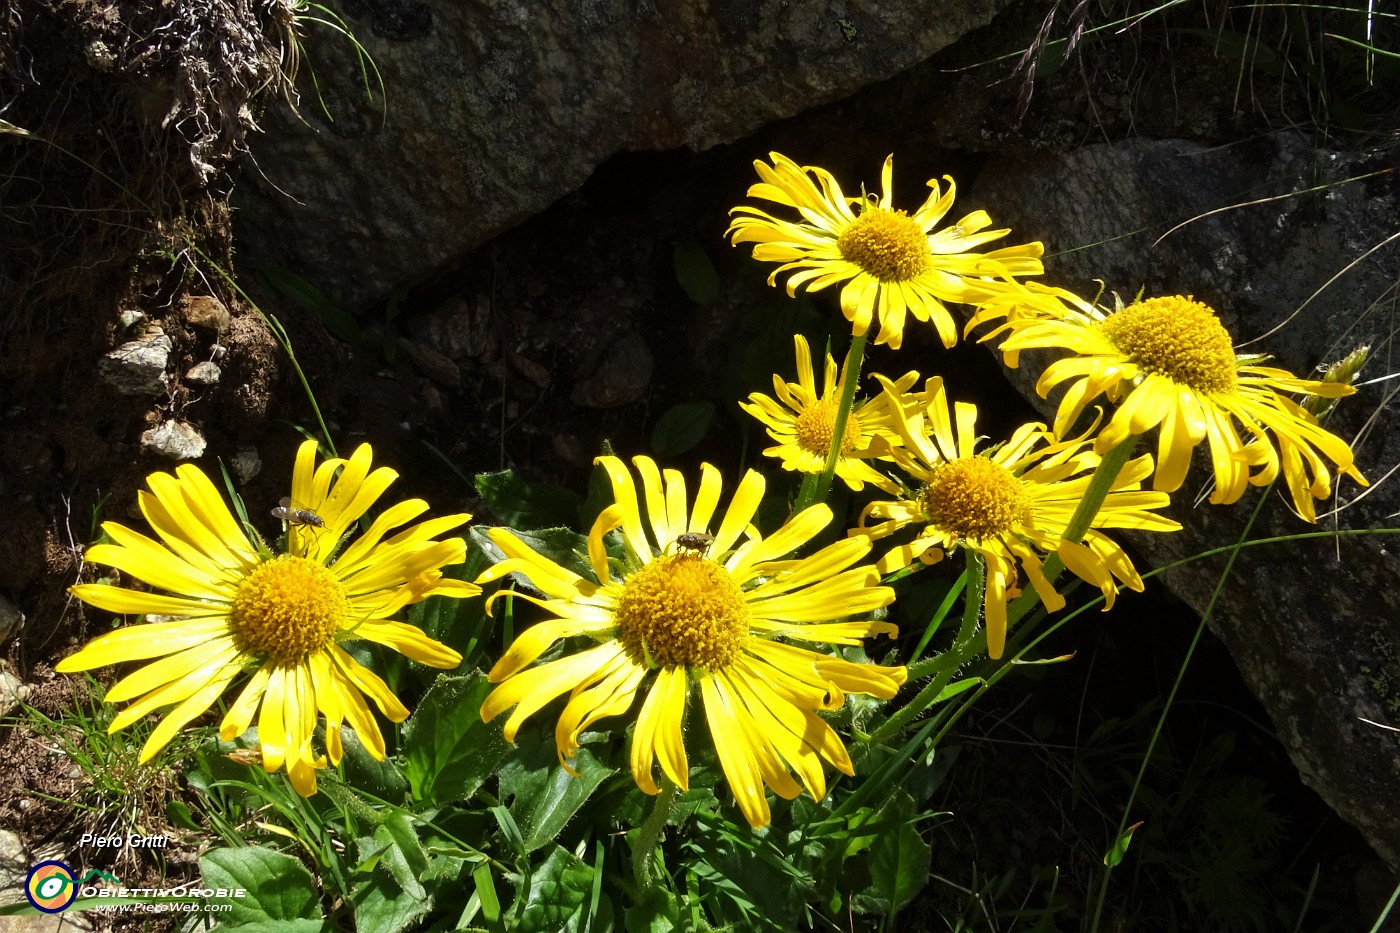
(237, 609)
(1168, 363)
(1010, 505)
(802, 422)
(891, 262)
(691, 609)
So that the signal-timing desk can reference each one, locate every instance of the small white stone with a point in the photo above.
(174, 440)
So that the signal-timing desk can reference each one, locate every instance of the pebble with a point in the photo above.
(174, 440)
(12, 691)
(206, 312)
(138, 366)
(204, 374)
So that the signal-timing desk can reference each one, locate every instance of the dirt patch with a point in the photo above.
(119, 119)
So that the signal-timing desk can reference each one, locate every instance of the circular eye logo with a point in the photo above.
(51, 887)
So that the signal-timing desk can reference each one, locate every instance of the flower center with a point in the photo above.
(1177, 338)
(816, 425)
(286, 609)
(975, 498)
(683, 610)
(887, 244)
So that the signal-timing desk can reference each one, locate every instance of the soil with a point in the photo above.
(122, 199)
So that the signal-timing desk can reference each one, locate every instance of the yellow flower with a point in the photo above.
(1010, 505)
(690, 610)
(802, 422)
(1169, 364)
(891, 262)
(236, 609)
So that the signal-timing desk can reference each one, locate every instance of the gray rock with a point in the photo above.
(245, 464)
(459, 328)
(11, 619)
(1313, 625)
(622, 377)
(497, 110)
(130, 317)
(14, 869)
(174, 440)
(203, 374)
(138, 367)
(12, 691)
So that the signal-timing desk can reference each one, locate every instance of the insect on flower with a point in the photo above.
(694, 541)
(294, 516)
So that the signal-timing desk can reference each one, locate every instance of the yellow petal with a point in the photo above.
(240, 715)
(219, 665)
(132, 602)
(658, 731)
(138, 642)
(531, 690)
(410, 642)
(197, 703)
(736, 755)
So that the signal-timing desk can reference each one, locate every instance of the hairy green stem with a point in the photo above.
(811, 494)
(649, 839)
(949, 662)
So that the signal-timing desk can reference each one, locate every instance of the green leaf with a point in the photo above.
(557, 889)
(956, 687)
(547, 797)
(404, 858)
(449, 750)
(177, 812)
(382, 905)
(301, 925)
(1115, 855)
(899, 861)
(383, 778)
(681, 428)
(523, 505)
(278, 886)
(696, 273)
(486, 892)
(335, 318)
(659, 912)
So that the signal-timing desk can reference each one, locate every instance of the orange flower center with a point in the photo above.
(1177, 338)
(887, 244)
(817, 424)
(683, 610)
(975, 498)
(287, 608)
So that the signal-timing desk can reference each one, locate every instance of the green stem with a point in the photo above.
(1171, 698)
(1100, 484)
(850, 376)
(649, 839)
(949, 662)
